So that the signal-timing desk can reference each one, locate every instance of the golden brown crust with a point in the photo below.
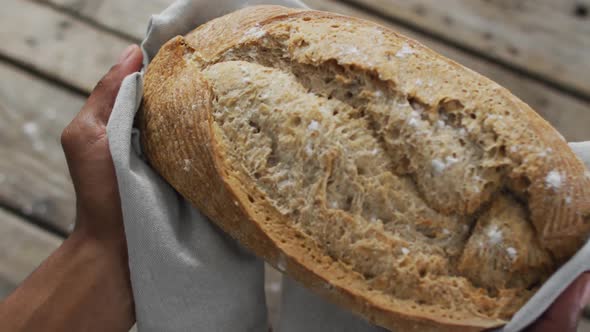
(179, 139)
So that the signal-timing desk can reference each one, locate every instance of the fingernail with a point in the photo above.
(126, 53)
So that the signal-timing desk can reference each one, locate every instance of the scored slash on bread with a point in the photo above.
(376, 172)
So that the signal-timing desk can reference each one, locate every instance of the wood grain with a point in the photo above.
(545, 37)
(22, 248)
(56, 44)
(34, 177)
(569, 115)
(129, 17)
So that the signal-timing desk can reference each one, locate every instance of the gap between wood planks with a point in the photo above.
(88, 20)
(35, 221)
(33, 172)
(56, 44)
(571, 91)
(52, 79)
(46, 77)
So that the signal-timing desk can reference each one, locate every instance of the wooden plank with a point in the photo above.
(56, 44)
(22, 248)
(546, 37)
(128, 17)
(33, 173)
(566, 113)
(569, 115)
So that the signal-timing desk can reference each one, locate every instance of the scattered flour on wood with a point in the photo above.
(31, 130)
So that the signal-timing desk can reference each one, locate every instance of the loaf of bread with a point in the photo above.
(381, 175)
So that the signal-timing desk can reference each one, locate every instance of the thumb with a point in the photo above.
(101, 100)
(582, 149)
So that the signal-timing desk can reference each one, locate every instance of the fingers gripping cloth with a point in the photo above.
(185, 273)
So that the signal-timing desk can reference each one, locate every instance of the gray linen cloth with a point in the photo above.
(186, 274)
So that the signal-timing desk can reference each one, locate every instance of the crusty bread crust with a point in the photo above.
(180, 140)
